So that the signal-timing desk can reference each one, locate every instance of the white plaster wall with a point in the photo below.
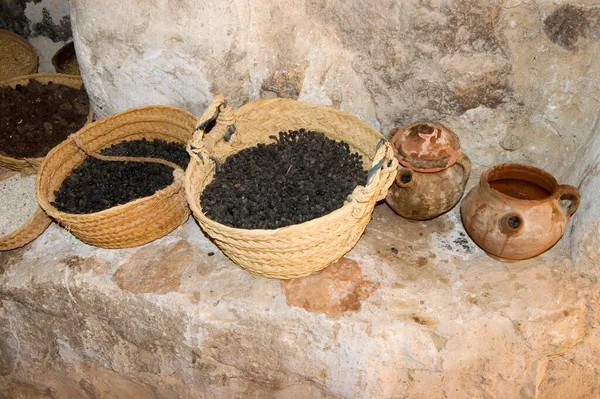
(46, 47)
(487, 69)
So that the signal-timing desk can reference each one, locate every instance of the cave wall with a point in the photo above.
(517, 80)
(584, 232)
(45, 23)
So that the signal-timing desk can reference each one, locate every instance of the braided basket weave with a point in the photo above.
(17, 56)
(301, 249)
(137, 222)
(30, 165)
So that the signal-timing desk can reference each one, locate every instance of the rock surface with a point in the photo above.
(516, 79)
(338, 289)
(414, 311)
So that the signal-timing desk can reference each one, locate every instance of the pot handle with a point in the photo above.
(570, 193)
(465, 163)
(223, 117)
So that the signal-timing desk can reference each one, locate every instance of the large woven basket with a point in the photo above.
(137, 222)
(31, 165)
(301, 249)
(17, 56)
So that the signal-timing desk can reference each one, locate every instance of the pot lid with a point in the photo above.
(426, 147)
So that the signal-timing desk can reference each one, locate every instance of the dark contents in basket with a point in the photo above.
(96, 185)
(36, 117)
(302, 176)
(157, 148)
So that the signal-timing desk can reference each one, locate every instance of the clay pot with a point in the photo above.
(516, 213)
(432, 174)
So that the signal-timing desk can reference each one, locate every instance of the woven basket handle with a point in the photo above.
(118, 158)
(224, 127)
(378, 161)
(379, 178)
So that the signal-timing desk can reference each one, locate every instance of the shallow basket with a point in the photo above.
(137, 222)
(301, 249)
(31, 165)
(17, 56)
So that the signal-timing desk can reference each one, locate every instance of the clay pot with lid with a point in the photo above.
(432, 174)
(516, 211)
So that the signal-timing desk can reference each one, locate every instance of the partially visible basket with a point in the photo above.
(38, 223)
(301, 249)
(65, 60)
(30, 165)
(137, 222)
(17, 56)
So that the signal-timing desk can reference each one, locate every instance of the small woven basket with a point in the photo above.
(38, 223)
(31, 165)
(65, 60)
(301, 249)
(137, 222)
(17, 56)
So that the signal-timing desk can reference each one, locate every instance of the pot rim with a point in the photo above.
(484, 181)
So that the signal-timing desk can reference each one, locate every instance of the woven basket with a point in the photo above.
(38, 223)
(301, 249)
(137, 222)
(65, 60)
(17, 56)
(31, 165)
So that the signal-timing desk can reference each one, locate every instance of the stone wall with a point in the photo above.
(45, 23)
(516, 79)
(584, 232)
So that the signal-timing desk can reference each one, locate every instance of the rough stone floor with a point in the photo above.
(416, 310)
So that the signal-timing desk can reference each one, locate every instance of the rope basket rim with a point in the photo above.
(29, 164)
(35, 226)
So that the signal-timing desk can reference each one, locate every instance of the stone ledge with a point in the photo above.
(417, 313)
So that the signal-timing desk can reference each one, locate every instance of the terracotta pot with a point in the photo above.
(432, 174)
(422, 196)
(426, 147)
(516, 213)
